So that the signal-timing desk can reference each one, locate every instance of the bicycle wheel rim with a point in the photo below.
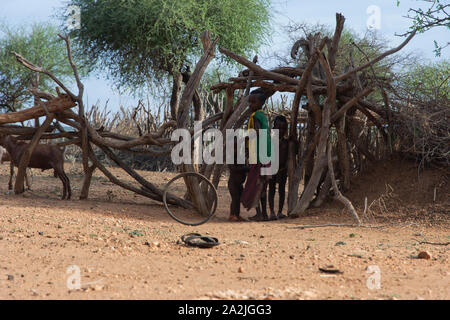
(202, 177)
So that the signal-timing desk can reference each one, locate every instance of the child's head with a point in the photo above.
(281, 124)
(256, 99)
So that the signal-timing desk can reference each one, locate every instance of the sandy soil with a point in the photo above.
(127, 247)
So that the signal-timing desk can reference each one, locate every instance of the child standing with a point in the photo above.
(280, 123)
(254, 194)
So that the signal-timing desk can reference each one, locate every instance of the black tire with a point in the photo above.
(198, 175)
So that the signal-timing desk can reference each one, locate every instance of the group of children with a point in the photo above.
(254, 194)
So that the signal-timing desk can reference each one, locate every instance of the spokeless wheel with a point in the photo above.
(190, 217)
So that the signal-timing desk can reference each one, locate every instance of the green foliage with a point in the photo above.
(37, 42)
(138, 40)
(429, 81)
(421, 100)
(435, 15)
(363, 48)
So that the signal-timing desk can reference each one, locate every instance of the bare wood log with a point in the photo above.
(69, 142)
(293, 186)
(21, 130)
(176, 92)
(257, 69)
(297, 45)
(278, 87)
(335, 42)
(250, 78)
(360, 146)
(83, 123)
(74, 68)
(323, 193)
(116, 181)
(311, 187)
(342, 150)
(293, 139)
(35, 68)
(313, 104)
(287, 71)
(37, 100)
(147, 139)
(41, 95)
(338, 195)
(194, 81)
(199, 112)
(310, 140)
(146, 184)
(374, 120)
(87, 181)
(350, 103)
(58, 104)
(368, 105)
(144, 192)
(49, 136)
(229, 106)
(199, 200)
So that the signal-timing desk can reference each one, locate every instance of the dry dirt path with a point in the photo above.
(126, 247)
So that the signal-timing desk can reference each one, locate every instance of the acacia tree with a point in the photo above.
(140, 41)
(39, 42)
(435, 15)
(421, 97)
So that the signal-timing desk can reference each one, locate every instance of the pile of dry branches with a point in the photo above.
(337, 118)
(421, 125)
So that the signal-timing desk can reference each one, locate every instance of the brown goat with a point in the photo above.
(44, 157)
(5, 157)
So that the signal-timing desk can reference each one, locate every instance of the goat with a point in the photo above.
(43, 157)
(5, 157)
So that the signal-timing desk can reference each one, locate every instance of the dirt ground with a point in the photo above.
(127, 247)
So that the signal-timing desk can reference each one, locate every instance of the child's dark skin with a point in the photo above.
(280, 177)
(238, 174)
(256, 102)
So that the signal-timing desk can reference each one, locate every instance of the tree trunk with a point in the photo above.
(199, 199)
(87, 182)
(343, 155)
(55, 105)
(176, 92)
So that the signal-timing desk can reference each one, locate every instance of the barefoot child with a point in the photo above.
(254, 194)
(280, 177)
(238, 174)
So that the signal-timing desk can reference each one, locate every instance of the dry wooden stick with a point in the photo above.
(318, 168)
(35, 68)
(323, 225)
(433, 243)
(338, 195)
(60, 103)
(375, 60)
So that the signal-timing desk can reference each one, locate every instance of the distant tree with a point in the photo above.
(140, 41)
(436, 15)
(421, 101)
(427, 82)
(38, 42)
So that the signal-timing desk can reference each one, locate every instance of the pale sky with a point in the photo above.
(18, 12)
